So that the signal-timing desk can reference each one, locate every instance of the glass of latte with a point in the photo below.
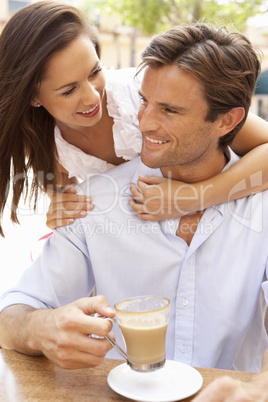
(143, 322)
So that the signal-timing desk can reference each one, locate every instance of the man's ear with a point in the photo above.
(35, 103)
(230, 120)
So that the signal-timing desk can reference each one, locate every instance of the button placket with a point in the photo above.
(183, 349)
(185, 302)
(185, 312)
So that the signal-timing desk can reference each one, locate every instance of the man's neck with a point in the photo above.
(191, 174)
(196, 172)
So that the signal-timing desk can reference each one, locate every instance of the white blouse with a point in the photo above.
(123, 102)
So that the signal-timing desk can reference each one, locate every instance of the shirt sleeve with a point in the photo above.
(265, 283)
(265, 245)
(61, 275)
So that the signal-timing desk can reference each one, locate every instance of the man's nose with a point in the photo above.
(148, 119)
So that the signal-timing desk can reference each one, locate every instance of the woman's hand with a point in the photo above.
(156, 198)
(66, 206)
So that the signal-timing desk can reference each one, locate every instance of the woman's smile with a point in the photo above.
(91, 112)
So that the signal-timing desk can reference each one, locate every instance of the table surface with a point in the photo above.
(27, 378)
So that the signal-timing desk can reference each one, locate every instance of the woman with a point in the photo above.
(59, 120)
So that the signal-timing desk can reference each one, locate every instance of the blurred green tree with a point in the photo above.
(151, 16)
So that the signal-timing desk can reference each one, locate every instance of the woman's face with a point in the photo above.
(73, 85)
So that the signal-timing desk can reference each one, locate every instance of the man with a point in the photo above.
(196, 92)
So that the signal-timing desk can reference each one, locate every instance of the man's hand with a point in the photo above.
(227, 389)
(62, 334)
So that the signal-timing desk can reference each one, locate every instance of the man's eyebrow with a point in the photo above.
(75, 82)
(174, 107)
(167, 105)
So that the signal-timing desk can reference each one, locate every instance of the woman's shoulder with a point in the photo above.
(125, 77)
(123, 102)
(122, 87)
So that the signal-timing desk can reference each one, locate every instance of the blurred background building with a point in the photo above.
(121, 45)
(257, 30)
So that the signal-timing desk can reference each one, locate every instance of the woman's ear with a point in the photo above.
(35, 103)
(230, 120)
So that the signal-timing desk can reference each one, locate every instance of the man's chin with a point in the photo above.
(149, 162)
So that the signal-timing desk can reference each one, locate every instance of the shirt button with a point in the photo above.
(185, 302)
(183, 349)
(171, 222)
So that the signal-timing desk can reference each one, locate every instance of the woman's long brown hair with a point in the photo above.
(27, 142)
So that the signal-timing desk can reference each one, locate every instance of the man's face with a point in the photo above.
(172, 120)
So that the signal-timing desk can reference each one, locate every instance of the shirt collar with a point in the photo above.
(232, 158)
(143, 170)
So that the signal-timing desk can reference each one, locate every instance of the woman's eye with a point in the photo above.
(96, 72)
(69, 92)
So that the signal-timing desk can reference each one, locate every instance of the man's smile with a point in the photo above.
(154, 141)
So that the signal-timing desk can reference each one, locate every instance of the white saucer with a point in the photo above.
(173, 382)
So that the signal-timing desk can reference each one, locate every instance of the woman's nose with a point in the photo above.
(90, 95)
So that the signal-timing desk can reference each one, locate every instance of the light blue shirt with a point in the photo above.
(217, 286)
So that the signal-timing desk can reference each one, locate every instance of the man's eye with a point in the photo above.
(143, 99)
(170, 111)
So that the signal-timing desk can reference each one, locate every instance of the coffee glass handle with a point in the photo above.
(112, 342)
